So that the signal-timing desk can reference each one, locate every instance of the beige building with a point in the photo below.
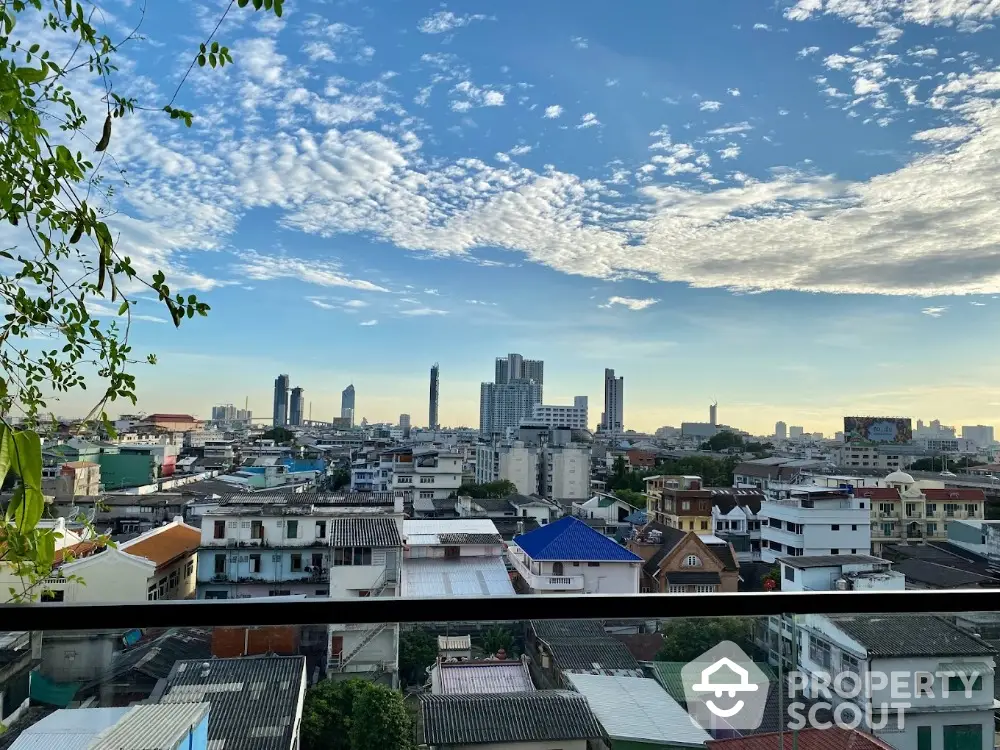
(73, 479)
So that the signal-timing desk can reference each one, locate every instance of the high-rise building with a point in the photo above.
(780, 430)
(347, 405)
(613, 418)
(404, 424)
(981, 435)
(432, 412)
(795, 432)
(244, 415)
(280, 413)
(506, 405)
(713, 414)
(514, 367)
(574, 417)
(295, 408)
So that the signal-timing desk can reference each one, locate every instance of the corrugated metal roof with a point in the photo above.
(254, 699)
(602, 654)
(154, 727)
(636, 708)
(365, 531)
(479, 678)
(428, 531)
(68, 729)
(570, 539)
(516, 717)
(910, 635)
(462, 576)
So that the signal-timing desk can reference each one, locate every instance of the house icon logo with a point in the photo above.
(725, 689)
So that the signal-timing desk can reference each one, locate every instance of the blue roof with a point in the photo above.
(637, 517)
(571, 539)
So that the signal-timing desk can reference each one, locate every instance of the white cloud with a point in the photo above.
(806, 51)
(924, 52)
(978, 304)
(632, 303)
(553, 111)
(475, 96)
(733, 92)
(944, 135)
(761, 27)
(519, 150)
(355, 303)
(923, 12)
(934, 312)
(373, 322)
(863, 86)
(322, 273)
(838, 61)
(589, 120)
(611, 82)
(740, 127)
(432, 292)
(710, 106)
(730, 152)
(579, 42)
(444, 21)
(322, 304)
(422, 311)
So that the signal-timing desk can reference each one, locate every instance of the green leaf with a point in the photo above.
(108, 427)
(30, 75)
(123, 309)
(5, 449)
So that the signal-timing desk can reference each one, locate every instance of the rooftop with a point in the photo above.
(156, 727)
(164, 544)
(483, 677)
(255, 700)
(68, 729)
(602, 653)
(365, 531)
(893, 636)
(450, 531)
(570, 539)
(834, 738)
(638, 709)
(461, 576)
(540, 716)
(830, 561)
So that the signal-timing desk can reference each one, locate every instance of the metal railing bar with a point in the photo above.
(258, 612)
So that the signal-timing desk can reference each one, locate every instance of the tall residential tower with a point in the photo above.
(347, 404)
(432, 415)
(613, 418)
(280, 413)
(295, 408)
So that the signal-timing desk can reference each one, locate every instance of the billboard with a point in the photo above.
(878, 430)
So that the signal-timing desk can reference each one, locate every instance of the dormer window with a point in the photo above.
(692, 561)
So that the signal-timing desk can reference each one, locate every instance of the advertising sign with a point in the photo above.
(878, 430)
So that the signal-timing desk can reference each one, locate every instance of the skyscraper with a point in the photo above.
(780, 430)
(280, 413)
(504, 405)
(713, 413)
(295, 408)
(347, 404)
(613, 418)
(432, 416)
(404, 424)
(514, 367)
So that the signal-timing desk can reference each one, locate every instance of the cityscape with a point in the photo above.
(522, 376)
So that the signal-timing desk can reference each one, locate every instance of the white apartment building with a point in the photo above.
(851, 455)
(426, 472)
(566, 473)
(516, 462)
(980, 434)
(574, 417)
(805, 520)
(839, 573)
(613, 416)
(955, 708)
(503, 406)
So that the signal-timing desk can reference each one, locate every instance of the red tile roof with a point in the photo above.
(835, 738)
(83, 549)
(164, 545)
(877, 493)
(170, 418)
(963, 495)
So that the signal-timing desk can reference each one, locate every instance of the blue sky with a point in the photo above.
(786, 206)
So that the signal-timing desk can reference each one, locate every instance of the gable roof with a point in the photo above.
(966, 495)
(570, 539)
(365, 531)
(152, 727)
(910, 635)
(515, 717)
(164, 544)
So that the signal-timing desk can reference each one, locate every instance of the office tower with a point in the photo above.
(295, 408)
(613, 418)
(505, 405)
(432, 416)
(280, 413)
(795, 432)
(713, 413)
(980, 435)
(347, 405)
(404, 424)
(780, 430)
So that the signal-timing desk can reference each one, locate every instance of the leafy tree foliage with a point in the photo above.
(714, 473)
(500, 488)
(279, 435)
(67, 264)
(633, 498)
(417, 651)
(686, 638)
(497, 638)
(938, 464)
(355, 715)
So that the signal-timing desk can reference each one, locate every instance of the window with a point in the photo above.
(404, 480)
(53, 596)
(835, 527)
(426, 480)
(451, 553)
(322, 592)
(292, 529)
(887, 529)
(175, 578)
(162, 586)
(255, 563)
(849, 664)
(426, 494)
(957, 684)
(219, 530)
(835, 551)
(151, 594)
(704, 525)
(279, 592)
(774, 523)
(789, 573)
(931, 529)
(576, 565)
(220, 564)
(317, 560)
(256, 529)
(854, 526)
(686, 505)
(819, 651)
(245, 525)
(321, 529)
(924, 738)
(692, 561)
(296, 562)
(931, 508)
(593, 565)
(557, 568)
(970, 509)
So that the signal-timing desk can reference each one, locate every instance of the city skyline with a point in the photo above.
(584, 200)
